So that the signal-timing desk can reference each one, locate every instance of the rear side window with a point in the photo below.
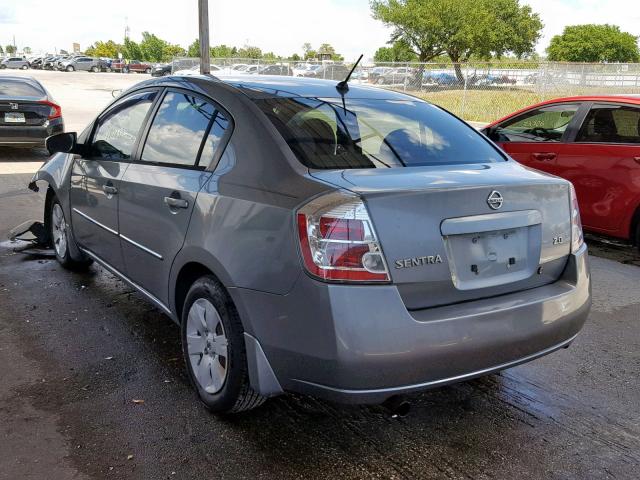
(546, 124)
(17, 88)
(182, 123)
(611, 124)
(374, 133)
(118, 130)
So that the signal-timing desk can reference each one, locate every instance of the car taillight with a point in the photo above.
(55, 111)
(338, 241)
(577, 238)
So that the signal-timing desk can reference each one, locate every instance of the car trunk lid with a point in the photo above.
(443, 241)
(23, 112)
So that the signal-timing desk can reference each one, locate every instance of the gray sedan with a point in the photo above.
(14, 62)
(351, 243)
(86, 64)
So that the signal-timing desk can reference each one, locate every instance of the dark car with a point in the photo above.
(328, 71)
(161, 70)
(284, 70)
(352, 244)
(36, 63)
(49, 63)
(28, 114)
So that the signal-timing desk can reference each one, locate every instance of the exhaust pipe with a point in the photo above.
(397, 406)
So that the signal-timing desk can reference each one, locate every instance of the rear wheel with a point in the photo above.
(214, 350)
(70, 68)
(59, 235)
(94, 69)
(148, 70)
(24, 67)
(108, 70)
(125, 70)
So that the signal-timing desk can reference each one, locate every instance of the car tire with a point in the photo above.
(70, 68)
(148, 70)
(59, 237)
(108, 70)
(636, 238)
(24, 67)
(125, 70)
(214, 349)
(94, 69)
(380, 81)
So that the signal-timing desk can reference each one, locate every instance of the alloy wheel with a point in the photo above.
(207, 346)
(59, 230)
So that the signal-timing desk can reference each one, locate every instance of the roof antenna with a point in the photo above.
(343, 86)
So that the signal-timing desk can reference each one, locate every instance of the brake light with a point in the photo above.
(338, 242)
(577, 238)
(56, 111)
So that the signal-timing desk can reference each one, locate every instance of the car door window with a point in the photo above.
(611, 124)
(118, 131)
(212, 143)
(545, 124)
(178, 130)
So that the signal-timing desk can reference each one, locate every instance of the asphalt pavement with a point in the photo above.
(93, 386)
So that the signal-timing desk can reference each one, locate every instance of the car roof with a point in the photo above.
(616, 97)
(265, 86)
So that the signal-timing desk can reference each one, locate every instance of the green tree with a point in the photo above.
(594, 43)
(171, 51)
(399, 51)
(460, 28)
(108, 49)
(193, 50)
(249, 51)
(10, 49)
(295, 57)
(27, 50)
(222, 51)
(270, 56)
(307, 49)
(131, 50)
(152, 47)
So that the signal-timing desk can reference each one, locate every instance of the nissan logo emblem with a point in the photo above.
(495, 200)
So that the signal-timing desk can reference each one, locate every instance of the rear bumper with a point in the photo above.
(359, 344)
(29, 136)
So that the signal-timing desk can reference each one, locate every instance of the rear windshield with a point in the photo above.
(365, 133)
(17, 88)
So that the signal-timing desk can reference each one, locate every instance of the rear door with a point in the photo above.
(159, 190)
(603, 163)
(536, 138)
(95, 180)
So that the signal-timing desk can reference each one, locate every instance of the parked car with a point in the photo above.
(36, 63)
(594, 142)
(195, 70)
(28, 114)
(328, 71)
(104, 64)
(283, 69)
(350, 244)
(49, 63)
(86, 64)
(14, 62)
(161, 70)
(377, 72)
(135, 66)
(396, 76)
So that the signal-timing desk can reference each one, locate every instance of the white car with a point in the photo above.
(195, 70)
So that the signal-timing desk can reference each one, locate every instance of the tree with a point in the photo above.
(399, 51)
(460, 28)
(295, 57)
(27, 50)
(1, 50)
(172, 51)
(594, 43)
(108, 49)
(222, 51)
(152, 48)
(250, 52)
(131, 50)
(10, 49)
(307, 49)
(193, 50)
(270, 56)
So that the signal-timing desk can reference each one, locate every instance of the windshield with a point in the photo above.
(364, 133)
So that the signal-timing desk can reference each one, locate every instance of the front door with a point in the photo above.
(535, 138)
(603, 164)
(95, 180)
(158, 192)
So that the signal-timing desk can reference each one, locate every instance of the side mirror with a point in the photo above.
(64, 143)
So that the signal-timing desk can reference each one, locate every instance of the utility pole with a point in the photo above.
(203, 21)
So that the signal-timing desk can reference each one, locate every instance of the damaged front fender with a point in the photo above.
(54, 171)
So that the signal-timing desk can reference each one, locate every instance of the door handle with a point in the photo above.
(110, 189)
(172, 202)
(544, 156)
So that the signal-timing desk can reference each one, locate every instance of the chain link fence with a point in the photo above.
(479, 92)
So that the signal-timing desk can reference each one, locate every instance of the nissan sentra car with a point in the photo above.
(354, 244)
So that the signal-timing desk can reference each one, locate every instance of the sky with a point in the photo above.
(281, 26)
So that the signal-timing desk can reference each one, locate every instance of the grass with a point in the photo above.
(490, 104)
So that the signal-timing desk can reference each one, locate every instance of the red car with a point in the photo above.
(594, 142)
(132, 66)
